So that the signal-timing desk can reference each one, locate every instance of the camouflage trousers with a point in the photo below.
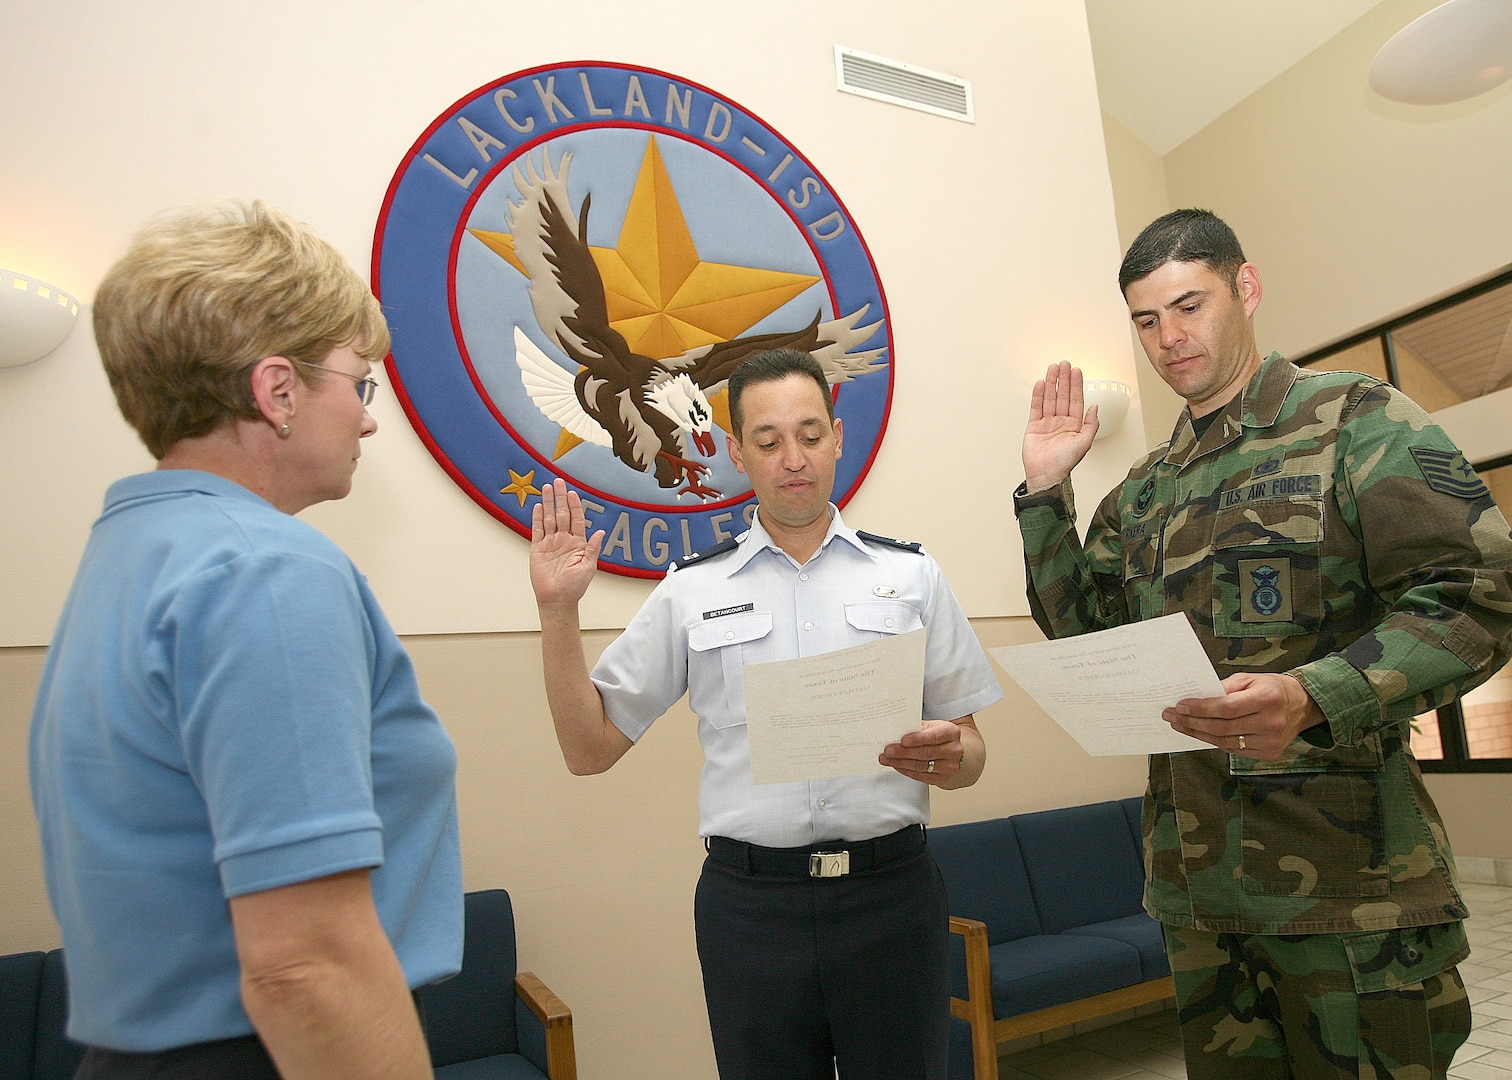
(1320, 1006)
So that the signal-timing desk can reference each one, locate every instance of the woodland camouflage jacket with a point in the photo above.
(1322, 526)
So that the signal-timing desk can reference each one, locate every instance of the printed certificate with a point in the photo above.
(831, 715)
(1108, 689)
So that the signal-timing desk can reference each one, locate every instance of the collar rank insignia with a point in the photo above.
(707, 553)
(873, 538)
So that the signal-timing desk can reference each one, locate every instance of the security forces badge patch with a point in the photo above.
(1265, 589)
(572, 261)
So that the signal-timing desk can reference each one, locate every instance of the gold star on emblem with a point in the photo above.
(522, 487)
(661, 296)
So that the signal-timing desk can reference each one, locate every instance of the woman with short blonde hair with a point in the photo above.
(248, 812)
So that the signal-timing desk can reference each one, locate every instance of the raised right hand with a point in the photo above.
(562, 557)
(1058, 435)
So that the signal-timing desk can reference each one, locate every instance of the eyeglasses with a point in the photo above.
(367, 387)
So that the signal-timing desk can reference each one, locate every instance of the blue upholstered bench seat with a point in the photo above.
(1051, 904)
(1051, 969)
(1140, 932)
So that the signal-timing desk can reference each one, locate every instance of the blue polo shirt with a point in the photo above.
(225, 710)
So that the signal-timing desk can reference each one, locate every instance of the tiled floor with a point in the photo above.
(1149, 1048)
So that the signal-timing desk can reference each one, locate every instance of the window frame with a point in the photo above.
(1451, 718)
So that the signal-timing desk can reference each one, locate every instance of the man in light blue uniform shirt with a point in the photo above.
(812, 962)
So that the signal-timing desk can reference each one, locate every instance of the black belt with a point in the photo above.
(834, 858)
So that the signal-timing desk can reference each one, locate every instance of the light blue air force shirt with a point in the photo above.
(706, 621)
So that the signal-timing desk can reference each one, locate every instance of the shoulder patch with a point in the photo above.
(1448, 471)
(706, 554)
(873, 538)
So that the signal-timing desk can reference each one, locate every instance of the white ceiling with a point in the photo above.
(1168, 68)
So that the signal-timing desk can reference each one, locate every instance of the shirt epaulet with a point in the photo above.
(873, 538)
(706, 554)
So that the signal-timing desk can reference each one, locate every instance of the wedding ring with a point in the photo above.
(1241, 742)
(931, 765)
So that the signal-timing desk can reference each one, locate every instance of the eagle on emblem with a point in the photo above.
(650, 411)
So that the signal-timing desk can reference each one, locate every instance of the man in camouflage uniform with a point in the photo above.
(1345, 570)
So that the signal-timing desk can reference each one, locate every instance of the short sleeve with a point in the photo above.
(271, 667)
(957, 677)
(644, 671)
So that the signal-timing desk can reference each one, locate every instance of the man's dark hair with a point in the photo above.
(1184, 236)
(770, 366)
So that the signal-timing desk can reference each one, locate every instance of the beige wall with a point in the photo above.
(1474, 808)
(1354, 208)
(1139, 197)
(988, 238)
(25, 920)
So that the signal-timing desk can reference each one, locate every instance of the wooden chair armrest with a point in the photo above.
(967, 928)
(976, 1007)
(978, 966)
(547, 1007)
(556, 1018)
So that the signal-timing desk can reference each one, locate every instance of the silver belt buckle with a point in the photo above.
(829, 864)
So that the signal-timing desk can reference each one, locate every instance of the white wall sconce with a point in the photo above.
(35, 317)
(1457, 51)
(1112, 400)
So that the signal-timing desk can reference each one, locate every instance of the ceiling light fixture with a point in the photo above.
(1457, 51)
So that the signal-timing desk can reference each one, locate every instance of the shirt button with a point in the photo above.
(802, 577)
(888, 621)
(824, 804)
(808, 626)
(729, 635)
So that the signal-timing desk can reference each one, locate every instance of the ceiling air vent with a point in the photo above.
(903, 84)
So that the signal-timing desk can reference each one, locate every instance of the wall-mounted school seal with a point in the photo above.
(574, 258)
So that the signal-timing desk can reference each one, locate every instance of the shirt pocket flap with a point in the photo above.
(729, 630)
(1297, 519)
(1393, 959)
(883, 616)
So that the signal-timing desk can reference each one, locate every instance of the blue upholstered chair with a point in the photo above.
(1088, 879)
(33, 1013)
(490, 1022)
(1048, 909)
